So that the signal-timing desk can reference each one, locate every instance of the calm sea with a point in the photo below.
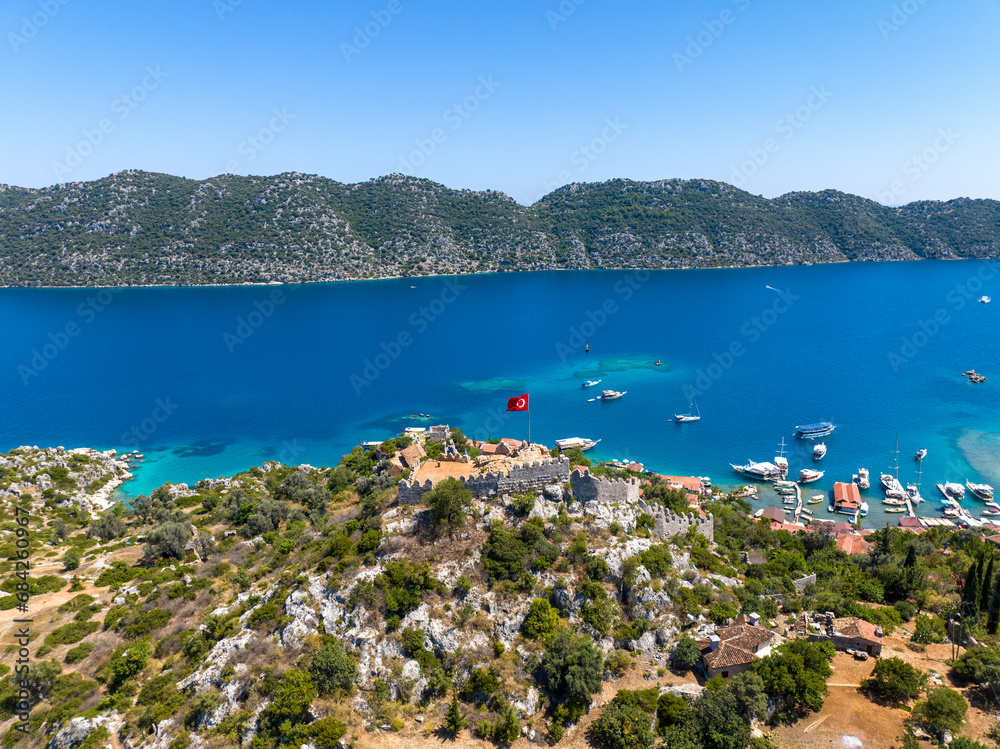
(209, 381)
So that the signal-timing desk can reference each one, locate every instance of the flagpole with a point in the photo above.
(529, 427)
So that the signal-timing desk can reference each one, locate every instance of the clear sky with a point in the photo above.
(892, 100)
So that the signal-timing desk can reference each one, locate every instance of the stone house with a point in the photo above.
(733, 649)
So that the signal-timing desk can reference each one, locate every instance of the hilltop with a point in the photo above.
(532, 600)
(137, 228)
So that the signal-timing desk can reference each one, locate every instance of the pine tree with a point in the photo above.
(994, 618)
(986, 589)
(970, 593)
(454, 721)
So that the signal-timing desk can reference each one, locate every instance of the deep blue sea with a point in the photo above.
(209, 381)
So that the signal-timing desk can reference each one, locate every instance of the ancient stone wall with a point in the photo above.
(668, 524)
(518, 480)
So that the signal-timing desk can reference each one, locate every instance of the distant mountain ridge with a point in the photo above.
(140, 228)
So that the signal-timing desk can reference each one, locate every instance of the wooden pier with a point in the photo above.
(910, 512)
(798, 501)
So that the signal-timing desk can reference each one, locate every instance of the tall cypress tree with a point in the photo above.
(911, 557)
(986, 589)
(994, 617)
(970, 593)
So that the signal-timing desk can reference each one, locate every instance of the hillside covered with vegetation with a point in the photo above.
(291, 607)
(139, 228)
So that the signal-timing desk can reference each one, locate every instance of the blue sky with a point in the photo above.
(894, 101)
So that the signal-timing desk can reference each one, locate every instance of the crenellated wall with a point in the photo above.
(588, 488)
(524, 478)
(668, 524)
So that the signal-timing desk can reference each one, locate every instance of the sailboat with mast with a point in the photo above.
(693, 414)
(914, 489)
(890, 481)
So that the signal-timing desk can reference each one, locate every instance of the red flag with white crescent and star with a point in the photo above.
(520, 403)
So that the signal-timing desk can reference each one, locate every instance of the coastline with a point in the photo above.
(625, 268)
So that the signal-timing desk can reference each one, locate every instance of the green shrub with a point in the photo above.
(622, 726)
(71, 633)
(77, 654)
(542, 620)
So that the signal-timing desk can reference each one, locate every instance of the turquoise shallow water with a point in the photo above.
(209, 381)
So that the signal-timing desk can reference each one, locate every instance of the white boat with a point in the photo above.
(692, 414)
(759, 471)
(864, 509)
(953, 490)
(989, 511)
(816, 499)
(892, 501)
(863, 480)
(610, 395)
(575, 442)
(921, 453)
(808, 475)
(781, 461)
(591, 383)
(819, 451)
(894, 509)
(983, 491)
(951, 512)
(985, 299)
(913, 492)
(806, 511)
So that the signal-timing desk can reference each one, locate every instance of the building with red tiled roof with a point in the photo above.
(910, 523)
(774, 514)
(852, 544)
(687, 483)
(846, 633)
(733, 649)
(846, 498)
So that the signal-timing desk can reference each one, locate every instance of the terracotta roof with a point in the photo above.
(851, 626)
(852, 544)
(846, 495)
(488, 449)
(511, 443)
(995, 540)
(910, 523)
(738, 645)
(691, 483)
(774, 513)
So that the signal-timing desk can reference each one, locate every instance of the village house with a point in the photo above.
(846, 633)
(733, 649)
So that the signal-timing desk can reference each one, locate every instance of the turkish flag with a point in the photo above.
(520, 403)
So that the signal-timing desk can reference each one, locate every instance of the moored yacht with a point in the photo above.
(808, 475)
(863, 481)
(759, 471)
(575, 442)
(892, 486)
(813, 431)
(953, 490)
(983, 491)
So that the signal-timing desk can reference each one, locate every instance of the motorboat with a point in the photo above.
(892, 501)
(819, 451)
(951, 512)
(816, 499)
(578, 443)
(591, 383)
(808, 475)
(806, 511)
(985, 299)
(913, 492)
(921, 454)
(610, 395)
(894, 509)
(990, 511)
(863, 481)
(814, 431)
(863, 511)
(759, 471)
(983, 491)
